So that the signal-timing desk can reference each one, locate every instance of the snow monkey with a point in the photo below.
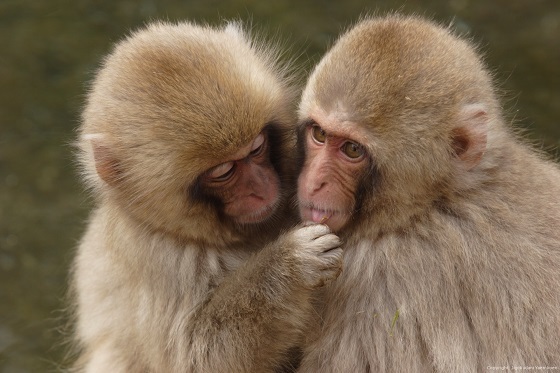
(450, 223)
(188, 264)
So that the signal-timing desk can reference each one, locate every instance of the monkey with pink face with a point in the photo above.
(450, 223)
(187, 264)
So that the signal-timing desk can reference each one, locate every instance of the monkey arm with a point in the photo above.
(146, 304)
(264, 306)
(261, 308)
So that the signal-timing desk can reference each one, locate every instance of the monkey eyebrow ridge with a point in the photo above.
(308, 122)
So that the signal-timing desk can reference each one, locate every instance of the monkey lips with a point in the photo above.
(320, 216)
(334, 219)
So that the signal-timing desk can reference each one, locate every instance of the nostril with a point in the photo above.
(318, 186)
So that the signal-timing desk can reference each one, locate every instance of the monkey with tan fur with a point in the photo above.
(186, 143)
(451, 224)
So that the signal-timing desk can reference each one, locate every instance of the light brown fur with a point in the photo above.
(452, 259)
(163, 281)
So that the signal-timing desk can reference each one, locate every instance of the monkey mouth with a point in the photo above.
(321, 216)
(315, 214)
(334, 218)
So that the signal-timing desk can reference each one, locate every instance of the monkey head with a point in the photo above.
(391, 118)
(184, 129)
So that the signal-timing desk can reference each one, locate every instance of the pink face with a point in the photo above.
(248, 185)
(331, 172)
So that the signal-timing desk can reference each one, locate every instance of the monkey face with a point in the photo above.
(184, 138)
(420, 109)
(330, 176)
(247, 185)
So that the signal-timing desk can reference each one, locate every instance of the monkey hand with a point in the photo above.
(317, 252)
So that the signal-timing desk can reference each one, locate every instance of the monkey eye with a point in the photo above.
(222, 172)
(352, 150)
(318, 134)
(258, 145)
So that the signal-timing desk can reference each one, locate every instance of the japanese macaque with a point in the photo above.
(450, 224)
(186, 143)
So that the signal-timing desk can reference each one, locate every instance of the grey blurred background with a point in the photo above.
(50, 50)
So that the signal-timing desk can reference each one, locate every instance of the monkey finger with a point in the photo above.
(327, 243)
(311, 232)
(332, 257)
(308, 223)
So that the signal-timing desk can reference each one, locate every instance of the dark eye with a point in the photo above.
(352, 150)
(222, 172)
(318, 134)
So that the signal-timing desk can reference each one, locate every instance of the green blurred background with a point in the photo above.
(50, 50)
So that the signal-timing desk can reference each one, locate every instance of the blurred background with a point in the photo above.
(50, 50)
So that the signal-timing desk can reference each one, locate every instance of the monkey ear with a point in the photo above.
(106, 163)
(469, 137)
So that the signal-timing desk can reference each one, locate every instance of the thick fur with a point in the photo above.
(163, 281)
(447, 267)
